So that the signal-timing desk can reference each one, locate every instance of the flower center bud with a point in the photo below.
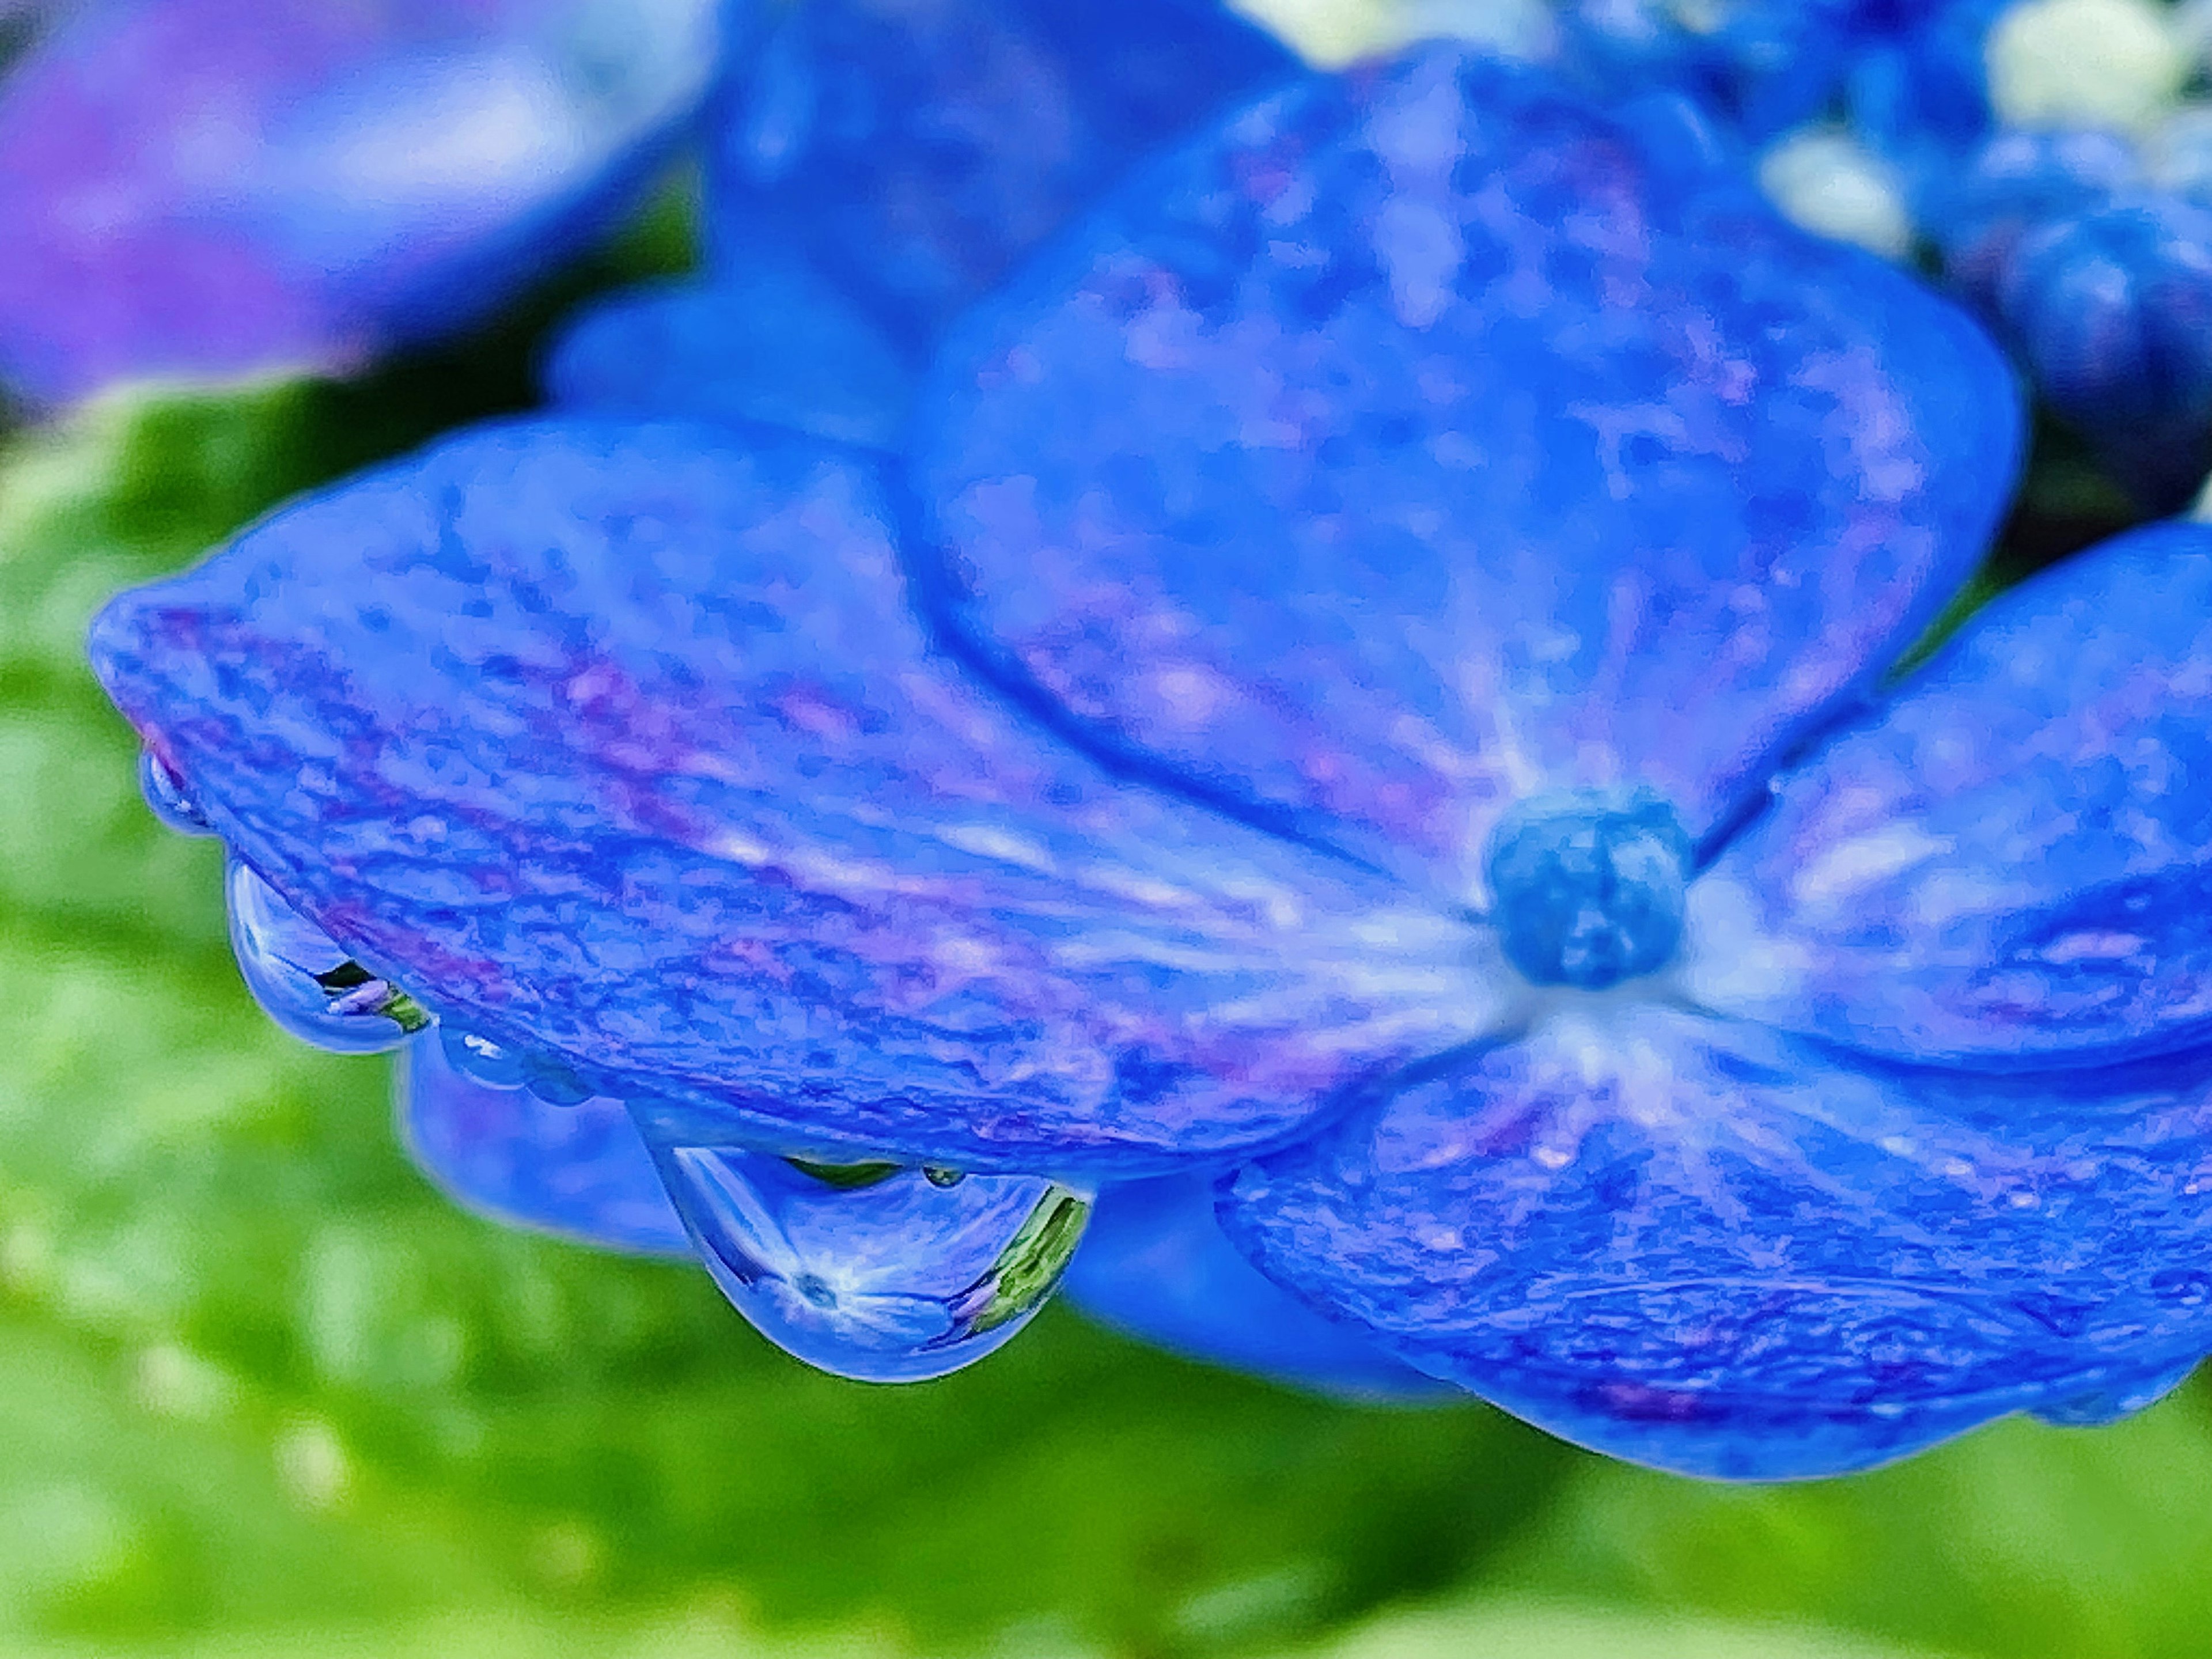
(1588, 885)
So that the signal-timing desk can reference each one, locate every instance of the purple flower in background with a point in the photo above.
(1362, 704)
(230, 187)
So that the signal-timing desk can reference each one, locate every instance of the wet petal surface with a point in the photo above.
(871, 1270)
(223, 187)
(618, 745)
(2012, 864)
(1418, 442)
(1156, 1264)
(581, 1170)
(1697, 1245)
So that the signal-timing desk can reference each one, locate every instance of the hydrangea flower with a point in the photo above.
(1362, 699)
(233, 186)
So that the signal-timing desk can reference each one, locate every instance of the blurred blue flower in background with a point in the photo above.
(227, 187)
(1359, 704)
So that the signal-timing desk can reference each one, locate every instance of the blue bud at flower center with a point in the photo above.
(1588, 886)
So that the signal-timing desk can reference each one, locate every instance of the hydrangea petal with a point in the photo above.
(581, 1171)
(915, 151)
(619, 744)
(1418, 441)
(1156, 1266)
(221, 186)
(767, 343)
(2011, 865)
(1700, 1245)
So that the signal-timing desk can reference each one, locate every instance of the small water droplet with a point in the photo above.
(552, 1082)
(890, 1280)
(306, 981)
(937, 1175)
(167, 798)
(480, 1059)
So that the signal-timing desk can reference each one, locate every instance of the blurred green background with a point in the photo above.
(264, 1392)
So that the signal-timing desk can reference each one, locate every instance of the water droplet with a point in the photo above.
(552, 1082)
(304, 979)
(167, 798)
(937, 1175)
(891, 1280)
(480, 1059)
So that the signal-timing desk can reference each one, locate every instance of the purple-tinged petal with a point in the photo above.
(1699, 1245)
(619, 744)
(770, 343)
(1156, 1266)
(2009, 866)
(221, 186)
(580, 1172)
(915, 151)
(869, 1271)
(1417, 441)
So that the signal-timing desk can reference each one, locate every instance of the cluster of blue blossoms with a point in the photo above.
(1277, 695)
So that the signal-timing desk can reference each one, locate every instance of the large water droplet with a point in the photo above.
(889, 1278)
(167, 798)
(307, 981)
(1589, 888)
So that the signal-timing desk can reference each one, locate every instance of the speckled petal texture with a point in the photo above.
(619, 742)
(1155, 1264)
(2012, 865)
(1412, 443)
(581, 1171)
(1692, 1243)
(226, 186)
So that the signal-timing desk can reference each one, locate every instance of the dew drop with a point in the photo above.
(937, 1175)
(167, 798)
(552, 1081)
(480, 1059)
(894, 1278)
(304, 979)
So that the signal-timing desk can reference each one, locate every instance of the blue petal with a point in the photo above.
(917, 151)
(1409, 445)
(770, 343)
(1698, 1246)
(1156, 1266)
(871, 1272)
(221, 186)
(2011, 865)
(618, 744)
(580, 1172)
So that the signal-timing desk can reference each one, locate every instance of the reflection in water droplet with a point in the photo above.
(480, 1059)
(937, 1175)
(304, 979)
(889, 1281)
(167, 798)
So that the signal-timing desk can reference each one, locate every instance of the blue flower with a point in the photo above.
(223, 188)
(1364, 695)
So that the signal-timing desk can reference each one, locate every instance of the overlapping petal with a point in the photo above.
(2011, 866)
(221, 186)
(1702, 1246)
(1417, 442)
(1155, 1264)
(763, 342)
(581, 1170)
(619, 744)
(916, 152)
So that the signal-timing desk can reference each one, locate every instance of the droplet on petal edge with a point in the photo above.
(306, 981)
(167, 798)
(893, 1278)
(488, 1064)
